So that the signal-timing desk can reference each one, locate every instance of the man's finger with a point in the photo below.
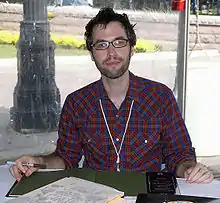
(187, 172)
(30, 171)
(201, 171)
(16, 173)
(209, 179)
(204, 177)
(21, 167)
(194, 171)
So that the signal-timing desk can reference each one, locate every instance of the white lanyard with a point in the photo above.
(123, 137)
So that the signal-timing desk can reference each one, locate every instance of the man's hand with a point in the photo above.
(198, 173)
(19, 170)
(50, 161)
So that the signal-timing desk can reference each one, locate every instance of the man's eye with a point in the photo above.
(119, 42)
(102, 45)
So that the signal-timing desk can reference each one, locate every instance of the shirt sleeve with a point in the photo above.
(177, 143)
(68, 144)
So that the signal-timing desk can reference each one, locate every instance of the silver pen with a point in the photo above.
(11, 163)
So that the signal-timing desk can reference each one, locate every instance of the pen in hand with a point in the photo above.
(35, 165)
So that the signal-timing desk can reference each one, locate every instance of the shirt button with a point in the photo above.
(117, 139)
(145, 141)
(117, 115)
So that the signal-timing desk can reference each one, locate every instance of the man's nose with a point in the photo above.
(111, 49)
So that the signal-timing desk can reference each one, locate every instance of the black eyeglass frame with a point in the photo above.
(108, 44)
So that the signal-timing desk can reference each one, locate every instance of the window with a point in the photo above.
(36, 77)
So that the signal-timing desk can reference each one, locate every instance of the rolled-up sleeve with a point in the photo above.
(68, 143)
(178, 146)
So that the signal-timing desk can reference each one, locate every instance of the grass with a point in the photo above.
(9, 51)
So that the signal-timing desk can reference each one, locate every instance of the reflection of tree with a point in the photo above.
(119, 4)
(101, 3)
(125, 4)
(151, 4)
(134, 4)
(138, 4)
(12, 1)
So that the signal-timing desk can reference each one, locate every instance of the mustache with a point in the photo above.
(113, 58)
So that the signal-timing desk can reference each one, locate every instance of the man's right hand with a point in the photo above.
(19, 170)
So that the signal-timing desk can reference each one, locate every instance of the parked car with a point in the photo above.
(70, 2)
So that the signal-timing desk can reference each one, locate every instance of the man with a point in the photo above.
(121, 122)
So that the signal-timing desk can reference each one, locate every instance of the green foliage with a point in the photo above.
(10, 51)
(50, 15)
(145, 46)
(69, 42)
(7, 37)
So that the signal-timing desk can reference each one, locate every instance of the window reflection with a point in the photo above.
(36, 65)
(156, 28)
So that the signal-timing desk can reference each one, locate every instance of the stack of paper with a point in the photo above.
(71, 189)
(198, 189)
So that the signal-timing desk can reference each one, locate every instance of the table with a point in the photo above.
(205, 190)
(6, 181)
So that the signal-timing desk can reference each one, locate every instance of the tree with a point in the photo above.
(12, 1)
(101, 3)
(117, 4)
(138, 4)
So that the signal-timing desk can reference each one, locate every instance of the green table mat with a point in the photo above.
(131, 183)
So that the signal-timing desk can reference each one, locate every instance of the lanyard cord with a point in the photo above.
(109, 132)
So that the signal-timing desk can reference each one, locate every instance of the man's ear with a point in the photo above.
(91, 55)
(132, 51)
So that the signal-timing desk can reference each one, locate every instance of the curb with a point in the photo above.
(143, 56)
(136, 57)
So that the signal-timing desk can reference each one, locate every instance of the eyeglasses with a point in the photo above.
(117, 43)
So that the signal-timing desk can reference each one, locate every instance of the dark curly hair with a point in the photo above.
(105, 16)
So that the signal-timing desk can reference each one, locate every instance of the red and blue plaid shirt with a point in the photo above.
(156, 130)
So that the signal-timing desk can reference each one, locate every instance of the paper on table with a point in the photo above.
(130, 199)
(6, 181)
(70, 190)
(202, 190)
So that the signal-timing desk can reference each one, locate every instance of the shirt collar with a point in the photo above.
(132, 92)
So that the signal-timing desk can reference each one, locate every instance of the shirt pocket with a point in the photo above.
(93, 137)
(94, 144)
(144, 144)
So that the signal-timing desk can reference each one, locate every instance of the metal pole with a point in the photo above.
(182, 62)
(36, 97)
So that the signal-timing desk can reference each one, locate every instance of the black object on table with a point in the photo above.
(166, 198)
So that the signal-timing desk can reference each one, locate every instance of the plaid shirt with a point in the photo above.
(156, 129)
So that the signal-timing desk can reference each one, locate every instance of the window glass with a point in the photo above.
(49, 61)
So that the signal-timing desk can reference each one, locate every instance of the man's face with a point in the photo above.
(111, 61)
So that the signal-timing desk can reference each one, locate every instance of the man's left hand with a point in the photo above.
(198, 173)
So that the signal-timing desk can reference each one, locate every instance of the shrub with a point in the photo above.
(7, 37)
(68, 42)
(142, 45)
(50, 15)
(145, 46)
